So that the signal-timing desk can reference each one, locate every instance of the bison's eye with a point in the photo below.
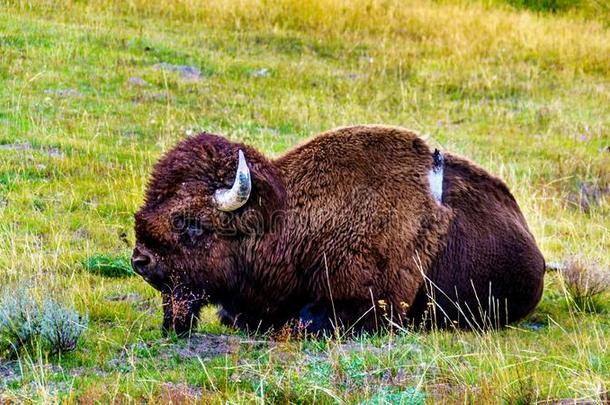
(179, 223)
(194, 230)
(189, 228)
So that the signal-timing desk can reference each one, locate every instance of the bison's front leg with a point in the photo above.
(316, 318)
(180, 311)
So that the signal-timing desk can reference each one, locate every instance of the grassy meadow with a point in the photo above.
(92, 93)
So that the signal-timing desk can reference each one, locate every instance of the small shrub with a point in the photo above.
(61, 327)
(19, 320)
(108, 266)
(584, 283)
(25, 322)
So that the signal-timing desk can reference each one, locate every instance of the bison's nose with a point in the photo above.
(141, 261)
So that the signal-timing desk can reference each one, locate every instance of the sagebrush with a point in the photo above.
(24, 321)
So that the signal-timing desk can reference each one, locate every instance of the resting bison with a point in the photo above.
(356, 228)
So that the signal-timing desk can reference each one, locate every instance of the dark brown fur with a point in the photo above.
(341, 230)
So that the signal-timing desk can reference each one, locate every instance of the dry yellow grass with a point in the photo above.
(462, 33)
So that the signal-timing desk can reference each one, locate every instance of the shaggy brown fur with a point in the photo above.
(490, 271)
(341, 230)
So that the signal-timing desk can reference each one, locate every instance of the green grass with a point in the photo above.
(525, 94)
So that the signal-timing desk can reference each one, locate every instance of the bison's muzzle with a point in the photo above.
(141, 262)
(145, 264)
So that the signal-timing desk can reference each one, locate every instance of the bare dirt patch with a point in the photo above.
(207, 346)
(64, 93)
(26, 146)
(130, 297)
(187, 72)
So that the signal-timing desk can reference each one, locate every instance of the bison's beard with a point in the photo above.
(181, 310)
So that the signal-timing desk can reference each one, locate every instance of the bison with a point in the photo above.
(359, 227)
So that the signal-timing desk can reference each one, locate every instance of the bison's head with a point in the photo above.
(206, 200)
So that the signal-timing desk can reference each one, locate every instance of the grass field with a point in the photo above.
(90, 96)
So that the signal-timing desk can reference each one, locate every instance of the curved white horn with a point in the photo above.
(230, 199)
